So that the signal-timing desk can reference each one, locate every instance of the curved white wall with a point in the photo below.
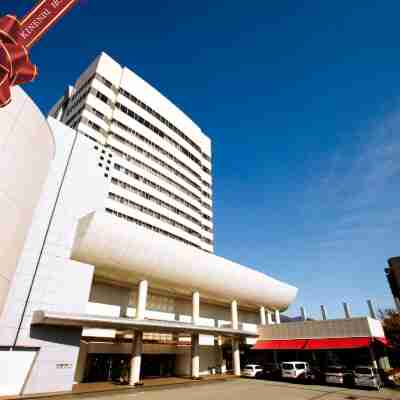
(26, 149)
(126, 251)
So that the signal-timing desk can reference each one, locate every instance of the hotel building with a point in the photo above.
(118, 265)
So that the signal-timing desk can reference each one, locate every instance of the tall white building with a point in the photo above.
(118, 265)
(161, 167)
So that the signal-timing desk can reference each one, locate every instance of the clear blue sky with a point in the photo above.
(301, 100)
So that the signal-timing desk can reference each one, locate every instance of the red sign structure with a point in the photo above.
(18, 36)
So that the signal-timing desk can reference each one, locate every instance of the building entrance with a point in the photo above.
(157, 365)
(116, 367)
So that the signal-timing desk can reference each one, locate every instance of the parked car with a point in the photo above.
(338, 375)
(317, 376)
(272, 371)
(296, 370)
(252, 370)
(366, 376)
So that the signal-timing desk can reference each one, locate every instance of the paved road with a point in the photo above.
(247, 389)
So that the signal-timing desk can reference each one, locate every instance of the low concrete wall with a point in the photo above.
(354, 327)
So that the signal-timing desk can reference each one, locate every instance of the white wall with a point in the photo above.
(26, 150)
(14, 367)
(60, 284)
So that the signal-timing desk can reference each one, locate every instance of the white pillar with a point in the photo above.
(195, 336)
(235, 341)
(269, 317)
(195, 356)
(136, 358)
(142, 300)
(263, 319)
(196, 308)
(235, 316)
(277, 317)
(236, 356)
(137, 342)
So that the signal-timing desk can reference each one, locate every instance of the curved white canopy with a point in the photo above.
(124, 249)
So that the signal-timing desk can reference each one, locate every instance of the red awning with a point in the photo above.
(315, 344)
(383, 341)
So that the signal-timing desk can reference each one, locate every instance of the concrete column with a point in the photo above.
(142, 300)
(236, 356)
(235, 315)
(371, 307)
(235, 341)
(277, 317)
(269, 317)
(303, 313)
(195, 351)
(263, 320)
(195, 356)
(196, 308)
(324, 313)
(347, 312)
(136, 360)
(137, 342)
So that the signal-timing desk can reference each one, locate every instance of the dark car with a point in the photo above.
(271, 371)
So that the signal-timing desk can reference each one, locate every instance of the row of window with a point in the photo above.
(155, 159)
(159, 132)
(106, 82)
(152, 112)
(78, 113)
(160, 189)
(155, 146)
(157, 173)
(151, 227)
(97, 113)
(78, 96)
(137, 148)
(154, 199)
(93, 125)
(158, 116)
(154, 171)
(154, 214)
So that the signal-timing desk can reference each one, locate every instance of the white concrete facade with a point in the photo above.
(84, 256)
(163, 181)
(26, 150)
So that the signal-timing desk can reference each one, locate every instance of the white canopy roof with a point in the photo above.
(124, 251)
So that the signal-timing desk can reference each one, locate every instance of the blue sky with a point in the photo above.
(301, 100)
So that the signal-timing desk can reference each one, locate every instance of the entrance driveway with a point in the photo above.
(247, 389)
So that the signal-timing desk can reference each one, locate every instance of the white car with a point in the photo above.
(367, 377)
(295, 370)
(252, 370)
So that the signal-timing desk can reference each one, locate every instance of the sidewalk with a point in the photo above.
(83, 389)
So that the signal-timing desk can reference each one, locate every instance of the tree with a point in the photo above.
(391, 325)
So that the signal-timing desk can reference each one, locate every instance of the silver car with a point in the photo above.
(338, 375)
(366, 376)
